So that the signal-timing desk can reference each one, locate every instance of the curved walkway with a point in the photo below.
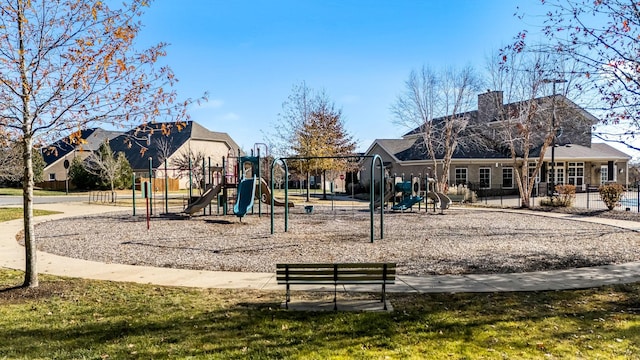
(12, 256)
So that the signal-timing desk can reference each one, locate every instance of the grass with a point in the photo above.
(7, 214)
(75, 318)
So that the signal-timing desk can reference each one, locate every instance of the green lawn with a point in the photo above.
(74, 318)
(7, 214)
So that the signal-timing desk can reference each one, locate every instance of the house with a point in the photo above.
(155, 142)
(59, 155)
(578, 161)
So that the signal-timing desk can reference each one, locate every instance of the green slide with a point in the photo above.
(246, 193)
(407, 203)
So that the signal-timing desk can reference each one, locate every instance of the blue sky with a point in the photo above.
(248, 54)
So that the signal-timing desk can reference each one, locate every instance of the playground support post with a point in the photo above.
(210, 181)
(166, 188)
(375, 158)
(150, 185)
(260, 186)
(286, 194)
(190, 181)
(133, 192)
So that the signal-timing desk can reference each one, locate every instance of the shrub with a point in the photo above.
(566, 194)
(611, 194)
(565, 197)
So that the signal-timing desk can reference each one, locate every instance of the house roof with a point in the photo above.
(143, 142)
(91, 139)
(575, 141)
(597, 151)
(412, 149)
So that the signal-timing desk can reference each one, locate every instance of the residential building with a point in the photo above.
(156, 142)
(488, 164)
(59, 155)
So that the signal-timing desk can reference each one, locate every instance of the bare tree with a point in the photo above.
(189, 164)
(10, 162)
(603, 38)
(107, 165)
(65, 64)
(165, 148)
(530, 122)
(11, 170)
(435, 106)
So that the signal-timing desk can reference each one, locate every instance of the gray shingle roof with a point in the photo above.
(141, 143)
(92, 138)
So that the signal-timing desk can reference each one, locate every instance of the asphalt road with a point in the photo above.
(17, 200)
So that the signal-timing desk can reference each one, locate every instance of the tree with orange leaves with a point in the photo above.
(68, 64)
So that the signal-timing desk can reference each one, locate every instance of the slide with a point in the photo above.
(246, 193)
(203, 200)
(407, 203)
(441, 198)
(266, 195)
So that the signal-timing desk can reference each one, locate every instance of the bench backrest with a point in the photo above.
(345, 273)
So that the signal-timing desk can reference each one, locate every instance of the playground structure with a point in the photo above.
(414, 192)
(237, 182)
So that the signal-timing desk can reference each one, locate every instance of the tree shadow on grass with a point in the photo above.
(127, 321)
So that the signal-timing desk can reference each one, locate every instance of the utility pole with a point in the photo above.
(552, 189)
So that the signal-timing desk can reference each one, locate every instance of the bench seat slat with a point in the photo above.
(305, 272)
(304, 266)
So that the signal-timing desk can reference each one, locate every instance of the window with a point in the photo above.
(52, 177)
(575, 174)
(604, 174)
(485, 178)
(559, 171)
(461, 176)
(507, 177)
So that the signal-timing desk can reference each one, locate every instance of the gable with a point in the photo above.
(162, 140)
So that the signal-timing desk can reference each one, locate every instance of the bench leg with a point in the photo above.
(335, 297)
(287, 298)
(384, 296)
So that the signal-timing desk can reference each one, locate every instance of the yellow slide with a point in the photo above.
(266, 194)
(203, 200)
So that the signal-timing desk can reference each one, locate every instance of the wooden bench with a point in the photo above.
(336, 274)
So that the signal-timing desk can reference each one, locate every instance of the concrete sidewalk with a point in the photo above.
(12, 256)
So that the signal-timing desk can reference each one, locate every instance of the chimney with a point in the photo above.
(490, 106)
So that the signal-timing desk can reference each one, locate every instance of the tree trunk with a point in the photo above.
(31, 273)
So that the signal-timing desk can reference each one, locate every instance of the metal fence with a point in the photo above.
(587, 199)
(590, 199)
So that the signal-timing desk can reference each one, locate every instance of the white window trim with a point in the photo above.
(489, 184)
(512, 178)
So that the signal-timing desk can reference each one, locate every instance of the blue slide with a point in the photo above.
(246, 194)
(407, 203)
